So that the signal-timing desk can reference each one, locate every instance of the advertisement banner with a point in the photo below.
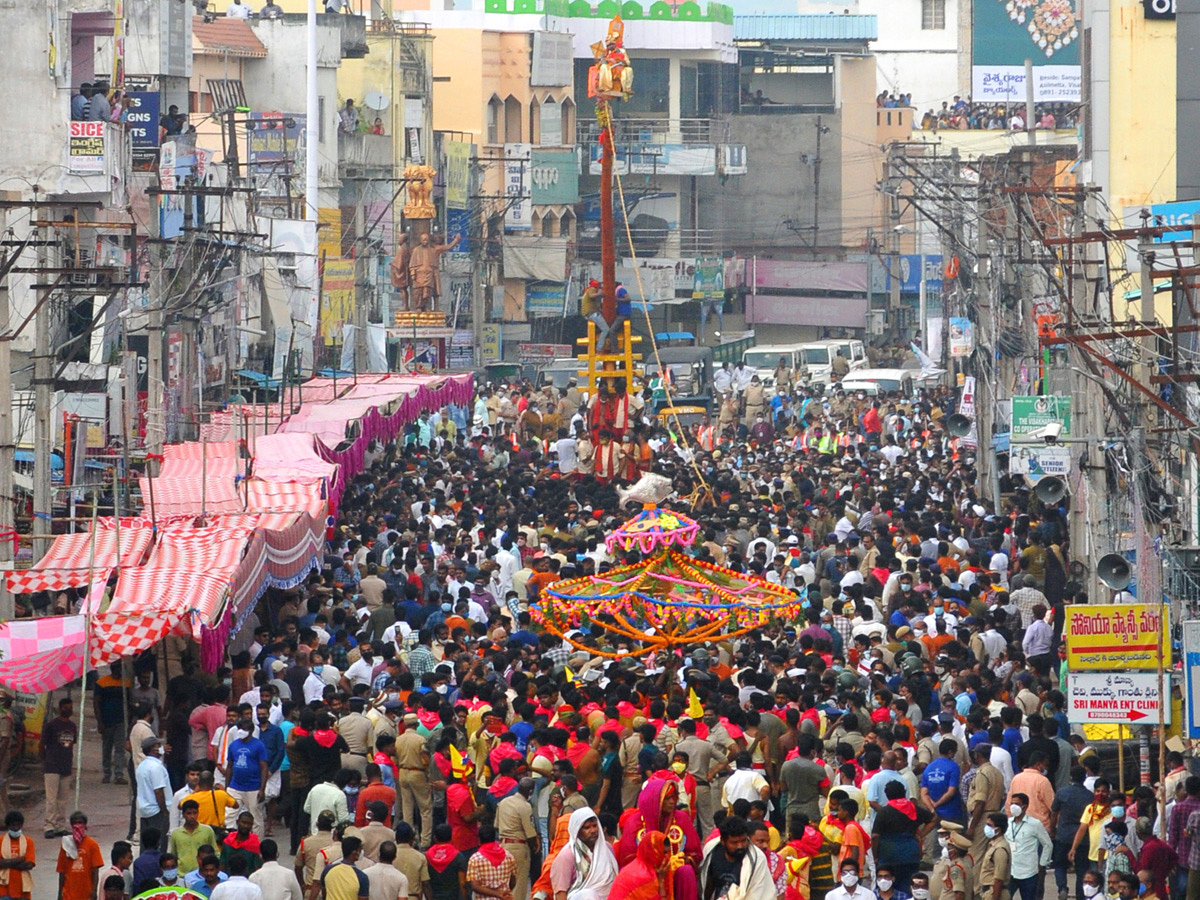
(490, 343)
(914, 266)
(337, 299)
(544, 298)
(555, 176)
(1191, 672)
(1030, 415)
(85, 148)
(1039, 461)
(1004, 36)
(1118, 698)
(962, 336)
(516, 187)
(142, 119)
(543, 353)
(458, 174)
(709, 281)
(1116, 636)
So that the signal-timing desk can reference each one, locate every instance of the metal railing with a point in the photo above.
(651, 131)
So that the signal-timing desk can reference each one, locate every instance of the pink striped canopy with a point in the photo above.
(66, 563)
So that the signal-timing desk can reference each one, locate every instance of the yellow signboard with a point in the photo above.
(1116, 636)
(337, 299)
(458, 174)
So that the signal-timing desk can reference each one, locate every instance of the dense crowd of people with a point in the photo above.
(963, 114)
(399, 726)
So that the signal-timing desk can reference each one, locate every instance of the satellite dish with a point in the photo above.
(376, 101)
(958, 425)
(1113, 570)
(1050, 490)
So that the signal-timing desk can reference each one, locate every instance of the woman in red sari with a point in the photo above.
(645, 877)
(657, 812)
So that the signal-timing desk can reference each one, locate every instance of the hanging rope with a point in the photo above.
(682, 431)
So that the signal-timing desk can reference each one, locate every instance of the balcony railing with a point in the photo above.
(651, 131)
(365, 151)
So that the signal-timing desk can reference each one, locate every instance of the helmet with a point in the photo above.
(847, 681)
(911, 664)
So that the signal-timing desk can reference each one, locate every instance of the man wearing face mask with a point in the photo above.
(247, 772)
(734, 861)
(153, 789)
(1032, 849)
(885, 886)
(850, 887)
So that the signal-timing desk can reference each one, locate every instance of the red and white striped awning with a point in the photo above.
(196, 573)
(191, 495)
(287, 496)
(67, 563)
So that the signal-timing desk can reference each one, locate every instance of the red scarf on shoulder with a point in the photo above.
(493, 853)
(441, 855)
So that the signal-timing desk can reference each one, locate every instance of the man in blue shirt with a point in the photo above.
(275, 742)
(1010, 718)
(940, 783)
(79, 102)
(247, 772)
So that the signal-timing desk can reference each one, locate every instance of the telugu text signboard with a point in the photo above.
(1004, 36)
(85, 148)
(1118, 698)
(1115, 636)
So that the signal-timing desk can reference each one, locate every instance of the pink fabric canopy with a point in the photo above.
(66, 563)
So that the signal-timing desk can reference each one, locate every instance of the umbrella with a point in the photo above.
(170, 892)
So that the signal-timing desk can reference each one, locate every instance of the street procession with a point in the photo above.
(545, 450)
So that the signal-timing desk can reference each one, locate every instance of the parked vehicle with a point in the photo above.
(559, 372)
(765, 357)
(818, 356)
(691, 371)
(878, 382)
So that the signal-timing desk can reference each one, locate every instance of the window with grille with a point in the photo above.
(933, 14)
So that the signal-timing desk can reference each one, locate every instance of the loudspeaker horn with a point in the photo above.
(958, 425)
(1050, 490)
(1113, 571)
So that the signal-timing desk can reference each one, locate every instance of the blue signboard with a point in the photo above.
(142, 118)
(1181, 213)
(458, 224)
(910, 272)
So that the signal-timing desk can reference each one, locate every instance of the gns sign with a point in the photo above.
(1159, 9)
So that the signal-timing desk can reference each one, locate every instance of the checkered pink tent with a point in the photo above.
(39, 655)
(66, 564)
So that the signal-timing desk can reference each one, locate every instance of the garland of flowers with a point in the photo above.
(682, 600)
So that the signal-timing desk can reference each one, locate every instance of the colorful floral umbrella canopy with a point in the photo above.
(667, 600)
(654, 528)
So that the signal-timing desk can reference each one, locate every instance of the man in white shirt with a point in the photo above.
(850, 888)
(361, 671)
(745, 783)
(723, 380)
(275, 881)
(192, 781)
(238, 10)
(565, 449)
(386, 880)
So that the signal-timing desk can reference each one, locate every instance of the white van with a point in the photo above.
(765, 357)
(818, 356)
(878, 382)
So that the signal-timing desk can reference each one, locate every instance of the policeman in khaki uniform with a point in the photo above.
(986, 796)
(941, 860)
(412, 783)
(514, 825)
(995, 868)
(958, 883)
(359, 734)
